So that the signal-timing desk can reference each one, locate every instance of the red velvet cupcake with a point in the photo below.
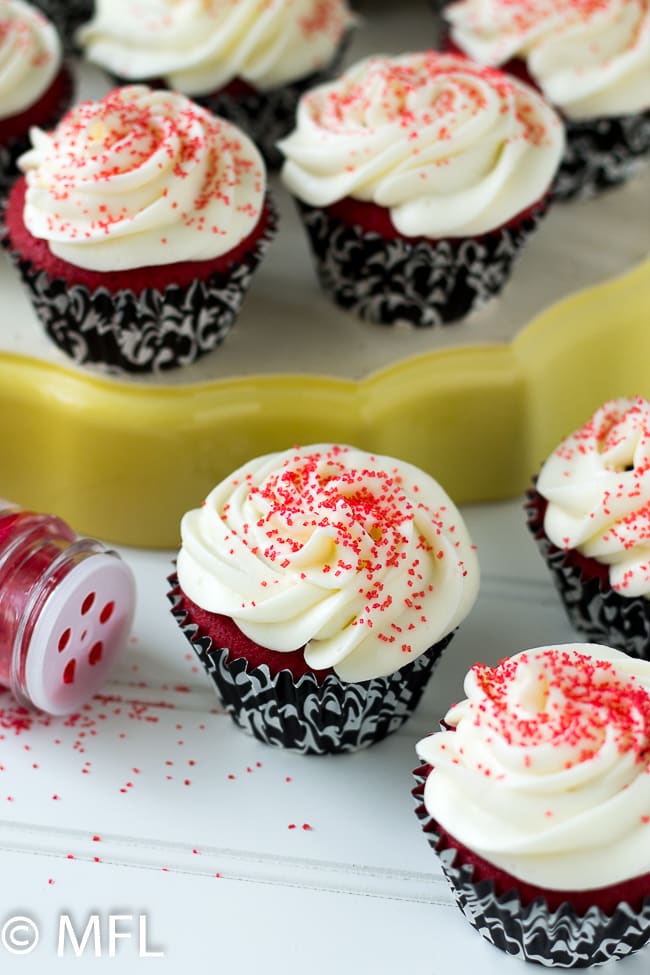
(36, 86)
(419, 178)
(150, 272)
(589, 513)
(318, 588)
(536, 797)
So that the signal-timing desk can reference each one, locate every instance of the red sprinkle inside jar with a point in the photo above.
(66, 606)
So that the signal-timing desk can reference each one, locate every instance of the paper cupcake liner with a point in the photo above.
(424, 282)
(9, 153)
(593, 607)
(66, 15)
(152, 330)
(601, 153)
(533, 932)
(267, 116)
(308, 716)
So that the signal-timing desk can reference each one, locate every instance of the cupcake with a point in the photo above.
(137, 228)
(419, 178)
(35, 83)
(248, 61)
(318, 587)
(590, 516)
(591, 60)
(536, 796)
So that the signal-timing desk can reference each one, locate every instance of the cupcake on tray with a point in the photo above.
(591, 60)
(536, 796)
(419, 178)
(137, 227)
(318, 587)
(35, 82)
(589, 513)
(247, 61)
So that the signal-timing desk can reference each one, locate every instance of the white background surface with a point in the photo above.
(360, 891)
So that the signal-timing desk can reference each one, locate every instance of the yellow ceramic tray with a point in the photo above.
(123, 461)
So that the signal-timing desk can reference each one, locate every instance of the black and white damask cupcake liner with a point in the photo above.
(267, 116)
(601, 153)
(150, 331)
(9, 154)
(593, 607)
(559, 938)
(67, 16)
(422, 282)
(307, 716)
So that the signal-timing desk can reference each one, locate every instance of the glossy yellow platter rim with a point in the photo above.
(123, 461)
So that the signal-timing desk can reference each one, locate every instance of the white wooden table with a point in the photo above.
(240, 856)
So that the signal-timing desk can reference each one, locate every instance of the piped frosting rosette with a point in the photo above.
(141, 178)
(419, 178)
(546, 771)
(357, 563)
(362, 560)
(591, 60)
(590, 515)
(543, 778)
(137, 228)
(198, 47)
(597, 485)
(450, 148)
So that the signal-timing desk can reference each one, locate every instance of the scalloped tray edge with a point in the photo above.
(123, 461)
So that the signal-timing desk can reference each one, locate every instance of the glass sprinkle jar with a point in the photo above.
(66, 607)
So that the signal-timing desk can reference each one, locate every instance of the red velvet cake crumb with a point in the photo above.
(225, 633)
(182, 273)
(590, 568)
(373, 218)
(631, 891)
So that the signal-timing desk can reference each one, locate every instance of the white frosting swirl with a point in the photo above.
(547, 773)
(597, 484)
(450, 148)
(198, 46)
(361, 559)
(30, 56)
(141, 178)
(590, 58)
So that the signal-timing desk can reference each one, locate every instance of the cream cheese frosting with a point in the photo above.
(591, 58)
(362, 559)
(199, 46)
(450, 148)
(597, 484)
(30, 56)
(141, 178)
(546, 773)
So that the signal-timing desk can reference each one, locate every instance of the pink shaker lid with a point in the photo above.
(81, 627)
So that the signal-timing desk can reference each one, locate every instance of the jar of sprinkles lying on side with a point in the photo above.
(66, 606)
